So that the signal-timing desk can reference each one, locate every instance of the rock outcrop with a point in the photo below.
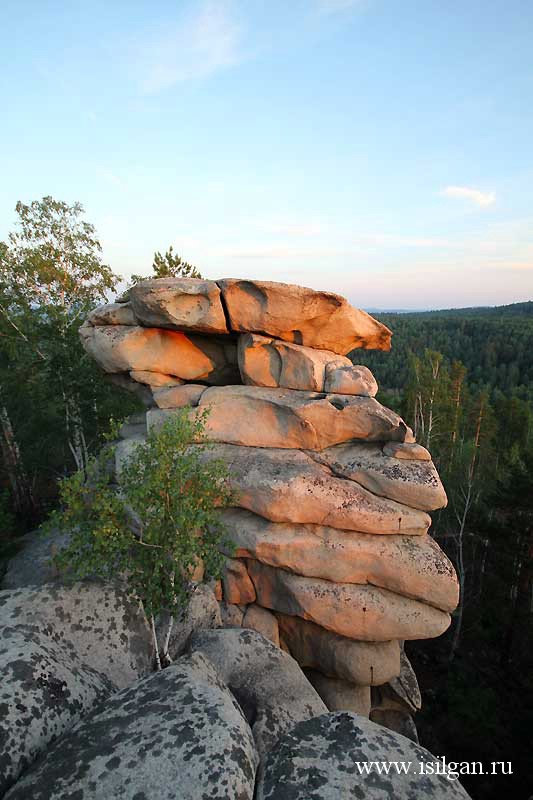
(333, 560)
(327, 758)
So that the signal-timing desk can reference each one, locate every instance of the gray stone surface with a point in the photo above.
(107, 630)
(33, 566)
(175, 734)
(268, 684)
(203, 612)
(44, 690)
(398, 721)
(317, 760)
(415, 483)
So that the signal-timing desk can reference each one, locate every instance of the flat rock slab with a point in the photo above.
(177, 733)
(44, 691)
(179, 396)
(268, 684)
(190, 304)
(108, 632)
(304, 316)
(289, 486)
(362, 663)
(121, 348)
(318, 760)
(358, 612)
(258, 416)
(413, 482)
(413, 566)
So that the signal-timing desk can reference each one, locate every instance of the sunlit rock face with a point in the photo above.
(333, 559)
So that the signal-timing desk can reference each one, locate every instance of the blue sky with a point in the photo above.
(376, 148)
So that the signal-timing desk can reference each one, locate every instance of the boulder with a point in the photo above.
(123, 381)
(363, 663)
(406, 450)
(256, 416)
(33, 565)
(44, 690)
(122, 348)
(179, 396)
(133, 426)
(415, 483)
(289, 486)
(176, 733)
(401, 693)
(414, 566)
(124, 449)
(329, 757)
(398, 721)
(271, 362)
(358, 612)
(112, 314)
(236, 584)
(350, 379)
(262, 621)
(340, 695)
(267, 683)
(190, 304)
(231, 615)
(296, 314)
(107, 630)
(155, 380)
(201, 613)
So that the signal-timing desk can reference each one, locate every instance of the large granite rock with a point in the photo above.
(296, 314)
(414, 566)
(268, 684)
(108, 631)
(176, 733)
(358, 612)
(362, 663)
(270, 362)
(237, 586)
(264, 417)
(289, 486)
(339, 695)
(33, 565)
(122, 348)
(415, 483)
(189, 304)
(44, 690)
(112, 314)
(327, 758)
(262, 621)
(179, 396)
(354, 379)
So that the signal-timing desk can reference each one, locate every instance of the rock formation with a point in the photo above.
(333, 560)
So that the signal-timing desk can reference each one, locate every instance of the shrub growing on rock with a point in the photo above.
(159, 529)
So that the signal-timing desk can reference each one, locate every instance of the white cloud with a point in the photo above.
(483, 199)
(202, 44)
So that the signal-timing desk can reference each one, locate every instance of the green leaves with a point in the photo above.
(160, 526)
(170, 265)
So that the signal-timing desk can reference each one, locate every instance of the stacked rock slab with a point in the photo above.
(333, 560)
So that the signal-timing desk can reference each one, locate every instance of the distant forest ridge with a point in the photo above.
(494, 343)
(524, 309)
